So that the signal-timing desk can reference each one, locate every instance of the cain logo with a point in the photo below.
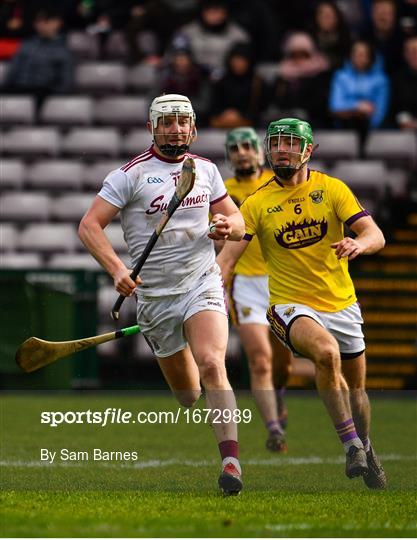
(300, 235)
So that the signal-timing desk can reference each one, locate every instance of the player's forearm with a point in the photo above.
(371, 241)
(95, 240)
(238, 226)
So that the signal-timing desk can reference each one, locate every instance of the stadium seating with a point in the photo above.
(77, 261)
(394, 146)
(336, 145)
(71, 207)
(210, 143)
(115, 235)
(3, 72)
(136, 142)
(34, 141)
(142, 77)
(74, 110)
(13, 173)
(57, 174)
(17, 109)
(8, 236)
(89, 142)
(83, 45)
(101, 77)
(122, 111)
(363, 175)
(21, 260)
(25, 206)
(49, 238)
(95, 173)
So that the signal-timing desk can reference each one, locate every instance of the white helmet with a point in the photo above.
(170, 104)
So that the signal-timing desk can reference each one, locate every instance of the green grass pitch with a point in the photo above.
(171, 490)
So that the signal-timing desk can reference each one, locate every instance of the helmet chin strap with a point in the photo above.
(173, 150)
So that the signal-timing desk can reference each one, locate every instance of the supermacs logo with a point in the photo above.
(299, 235)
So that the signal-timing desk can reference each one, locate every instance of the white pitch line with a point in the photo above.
(156, 463)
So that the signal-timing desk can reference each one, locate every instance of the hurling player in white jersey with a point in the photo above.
(180, 298)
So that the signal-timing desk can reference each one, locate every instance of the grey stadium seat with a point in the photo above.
(25, 206)
(32, 141)
(115, 235)
(210, 143)
(83, 45)
(102, 77)
(97, 172)
(8, 237)
(392, 146)
(56, 174)
(123, 110)
(49, 237)
(142, 77)
(21, 260)
(86, 142)
(12, 173)
(17, 109)
(67, 110)
(362, 176)
(336, 145)
(136, 142)
(71, 207)
(398, 180)
(82, 261)
(224, 169)
(3, 72)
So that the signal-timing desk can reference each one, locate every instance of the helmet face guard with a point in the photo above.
(244, 139)
(168, 109)
(286, 146)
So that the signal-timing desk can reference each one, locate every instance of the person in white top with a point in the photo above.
(181, 305)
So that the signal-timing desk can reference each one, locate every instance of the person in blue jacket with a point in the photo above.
(359, 92)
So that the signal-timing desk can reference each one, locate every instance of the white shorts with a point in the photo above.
(249, 299)
(344, 325)
(161, 318)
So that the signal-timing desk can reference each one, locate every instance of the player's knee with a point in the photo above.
(327, 357)
(187, 398)
(212, 371)
(260, 365)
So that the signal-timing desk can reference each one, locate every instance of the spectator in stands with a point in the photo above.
(182, 75)
(240, 95)
(385, 34)
(43, 64)
(331, 32)
(14, 26)
(212, 35)
(148, 20)
(359, 91)
(301, 88)
(257, 18)
(404, 90)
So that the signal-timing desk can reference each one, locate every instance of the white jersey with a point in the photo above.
(142, 190)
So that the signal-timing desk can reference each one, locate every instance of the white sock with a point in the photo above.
(234, 461)
(353, 442)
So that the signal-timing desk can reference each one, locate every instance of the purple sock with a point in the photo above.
(274, 426)
(347, 434)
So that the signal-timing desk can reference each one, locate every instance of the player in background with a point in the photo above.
(298, 218)
(249, 294)
(181, 307)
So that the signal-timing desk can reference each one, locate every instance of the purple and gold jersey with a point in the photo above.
(252, 262)
(295, 226)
